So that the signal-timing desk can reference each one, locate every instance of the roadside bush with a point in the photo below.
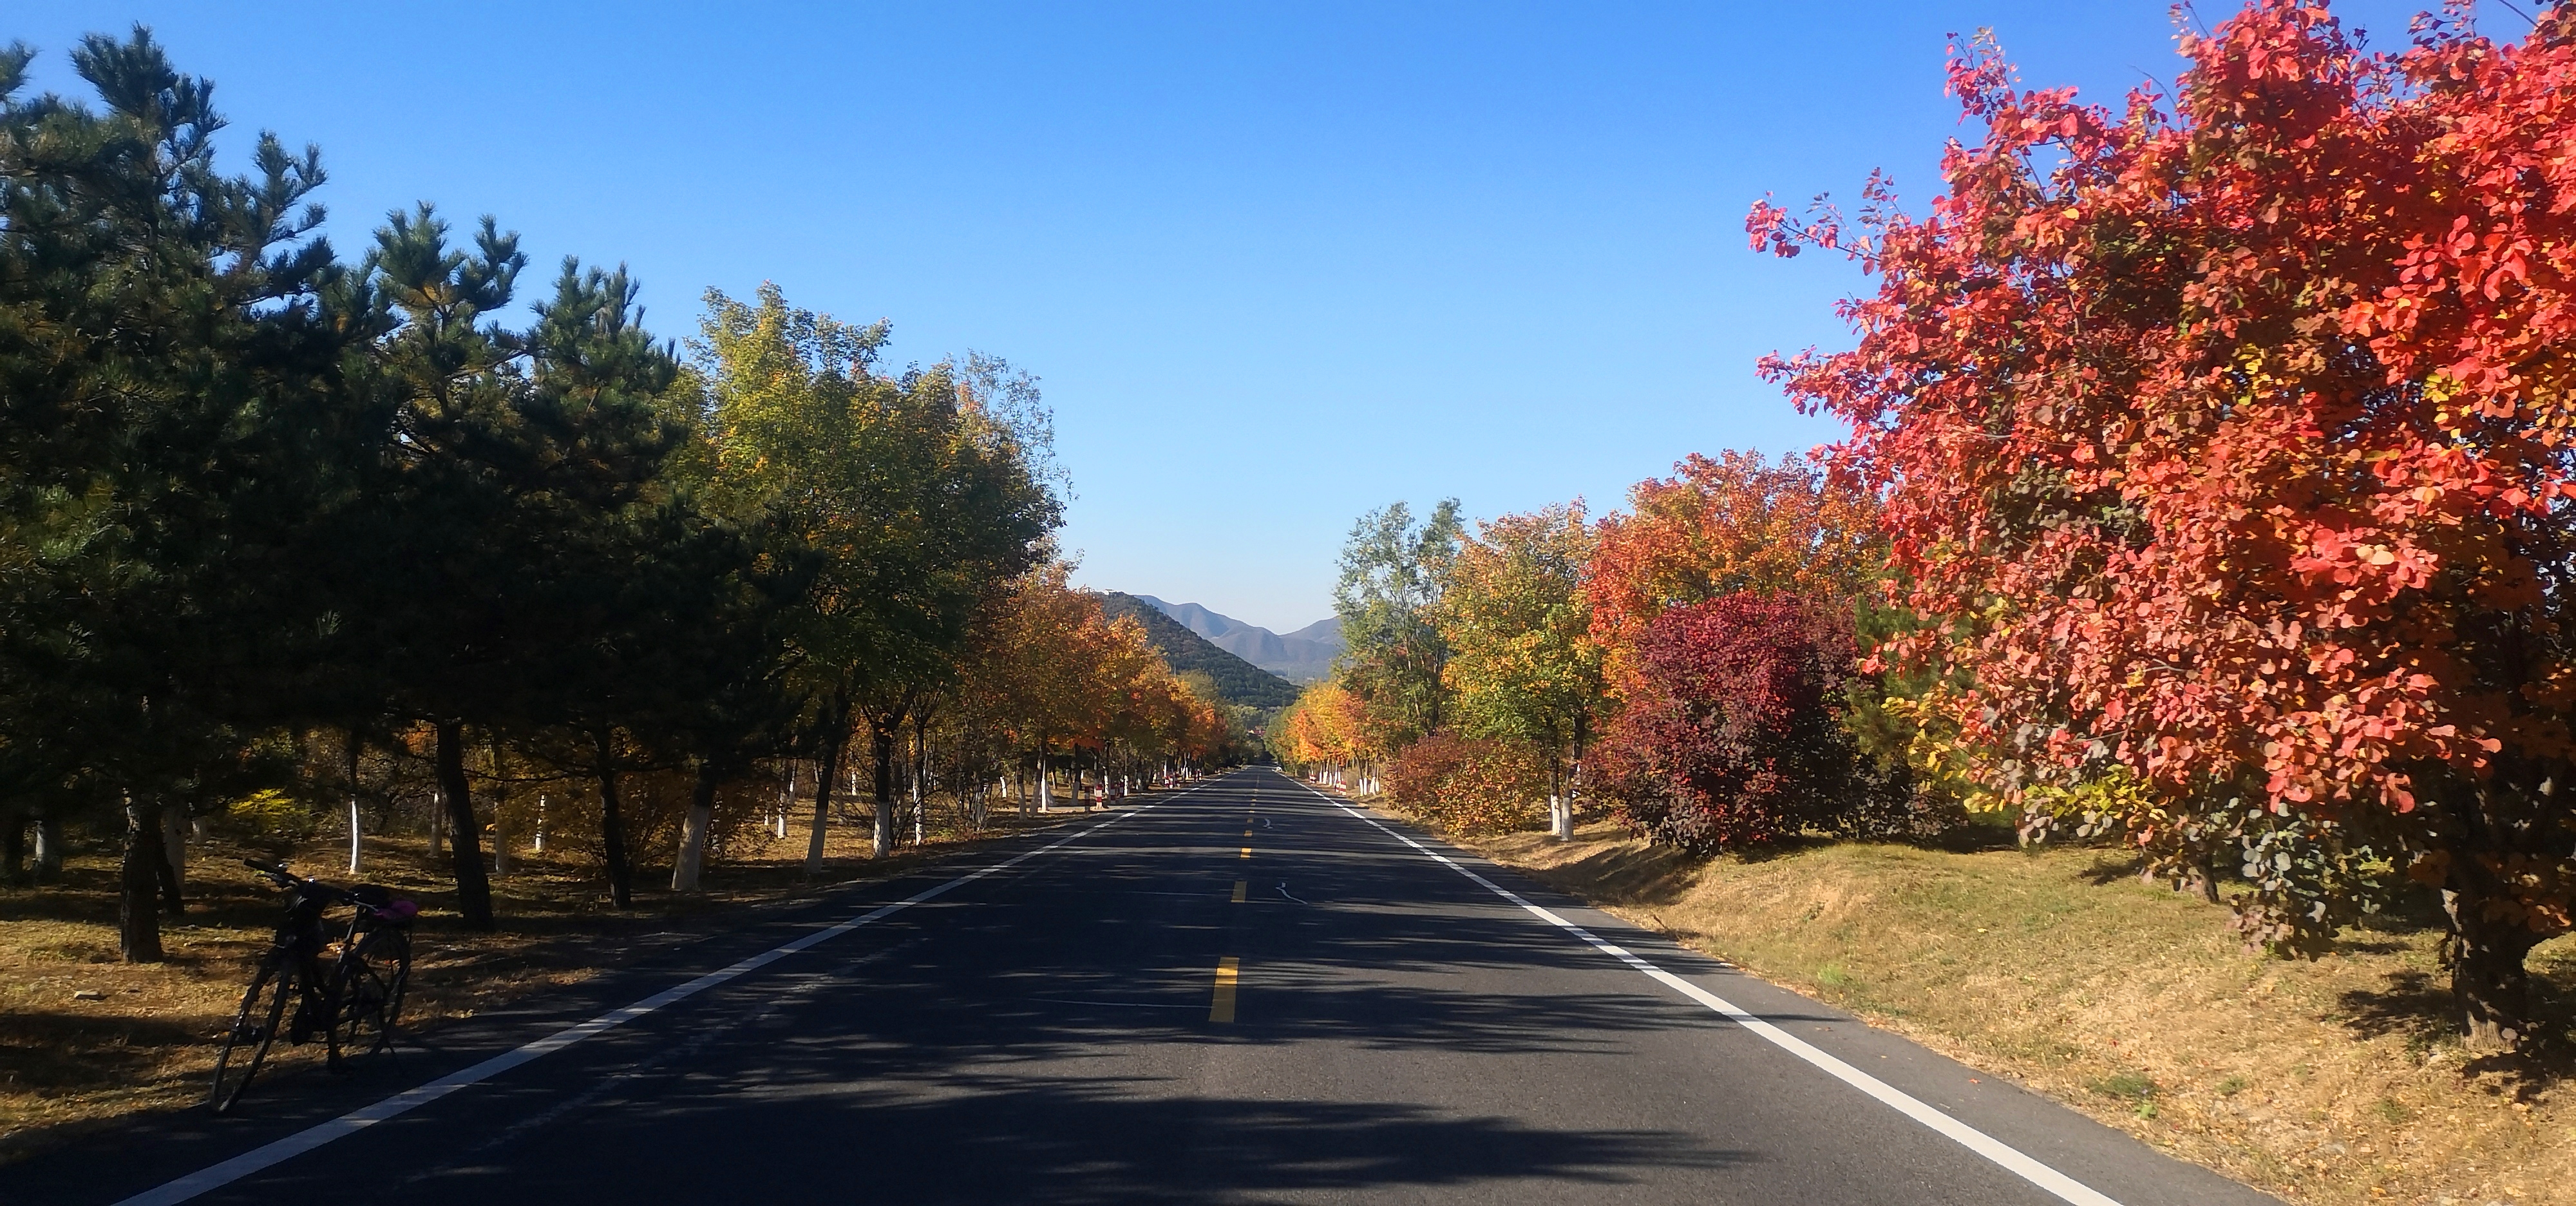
(1466, 786)
(273, 815)
(1733, 736)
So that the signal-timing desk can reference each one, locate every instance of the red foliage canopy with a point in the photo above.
(2233, 437)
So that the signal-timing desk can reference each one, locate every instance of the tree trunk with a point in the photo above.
(464, 837)
(165, 871)
(786, 800)
(920, 772)
(693, 832)
(830, 770)
(881, 743)
(612, 825)
(500, 812)
(13, 847)
(349, 750)
(2201, 880)
(2490, 986)
(174, 852)
(49, 848)
(1046, 797)
(138, 914)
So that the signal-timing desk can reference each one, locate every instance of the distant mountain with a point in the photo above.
(1303, 656)
(1238, 681)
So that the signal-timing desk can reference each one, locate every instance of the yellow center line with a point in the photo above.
(1247, 852)
(1238, 891)
(1221, 1007)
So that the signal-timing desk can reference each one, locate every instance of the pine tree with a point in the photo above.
(171, 429)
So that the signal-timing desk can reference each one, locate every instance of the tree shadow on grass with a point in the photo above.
(1644, 875)
(45, 1048)
(2417, 1006)
(2409, 1003)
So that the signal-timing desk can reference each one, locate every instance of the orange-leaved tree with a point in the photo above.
(2229, 434)
(1716, 527)
(1326, 731)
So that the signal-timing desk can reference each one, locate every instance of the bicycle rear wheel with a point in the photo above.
(254, 1028)
(369, 983)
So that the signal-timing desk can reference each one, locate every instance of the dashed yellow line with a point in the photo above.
(1247, 852)
(1221, 1007)
(1238, 891)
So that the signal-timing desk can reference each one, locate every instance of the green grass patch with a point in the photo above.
(2127, 1086)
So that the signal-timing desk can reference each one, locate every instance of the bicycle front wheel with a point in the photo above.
(254, 1028)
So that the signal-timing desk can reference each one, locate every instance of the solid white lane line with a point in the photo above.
(258, 1158)
(2010, 1158)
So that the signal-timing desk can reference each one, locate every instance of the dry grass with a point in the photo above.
(70, 1064)
(2325, 1082)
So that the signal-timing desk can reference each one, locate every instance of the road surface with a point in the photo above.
(1244, 992)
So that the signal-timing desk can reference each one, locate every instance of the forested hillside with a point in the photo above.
(1238, 681)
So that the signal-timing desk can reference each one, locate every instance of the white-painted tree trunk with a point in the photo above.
(693, 849)
(1560, 817)
(174, 842)
(502, 861)
(49, 847)
(539, 845)
(1046, 793)
(353, 835)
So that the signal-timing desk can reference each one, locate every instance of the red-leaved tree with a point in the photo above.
(2230, 432)
(1731, 737)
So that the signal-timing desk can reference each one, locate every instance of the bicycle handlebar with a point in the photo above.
(288, 879)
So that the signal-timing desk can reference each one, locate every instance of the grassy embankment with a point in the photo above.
(86, 1040)
(2326, 1082)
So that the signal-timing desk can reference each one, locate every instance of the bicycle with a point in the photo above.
(361, 990)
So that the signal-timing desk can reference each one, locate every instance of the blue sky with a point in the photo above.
(1277, 264)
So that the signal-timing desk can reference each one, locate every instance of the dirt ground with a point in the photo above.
(2326, 1082)
(86, 1040)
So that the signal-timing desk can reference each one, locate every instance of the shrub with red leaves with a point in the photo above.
(1732, 736)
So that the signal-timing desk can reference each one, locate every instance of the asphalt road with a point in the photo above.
(1244, 992)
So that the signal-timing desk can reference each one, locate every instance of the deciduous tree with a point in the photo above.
(2228, 433)
(1523, 667)
(1392, 568)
